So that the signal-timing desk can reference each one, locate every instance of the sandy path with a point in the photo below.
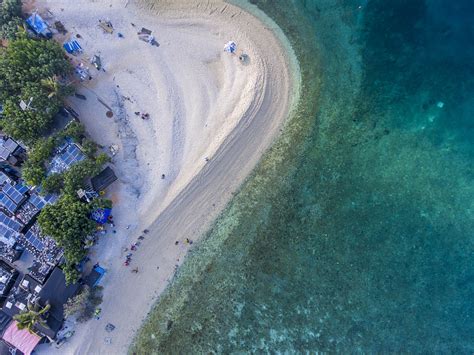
(203, 103)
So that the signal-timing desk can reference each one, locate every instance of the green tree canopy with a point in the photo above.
(34, 169)
(30, 70)
(27, 60)
(10, 18)
(84, 304)
(10, 9)
(68, 223)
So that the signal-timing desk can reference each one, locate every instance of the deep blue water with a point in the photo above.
(361, 240)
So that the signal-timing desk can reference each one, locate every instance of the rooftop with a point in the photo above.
(7, 147)
(102, 180)
(66, 156)
(16, 193)
(4, 178)
(7, 279)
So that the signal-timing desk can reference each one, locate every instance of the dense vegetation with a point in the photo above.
(10, 19)
(34, 169)
(68, 222)
(84, 304)
(32, 71)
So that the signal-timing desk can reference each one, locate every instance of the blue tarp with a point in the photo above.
(37, 24)
(72, 46)
(94, 277)
(101, 215)
(101, 271)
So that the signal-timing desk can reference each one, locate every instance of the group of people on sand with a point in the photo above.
(144, 116)
(133, 247)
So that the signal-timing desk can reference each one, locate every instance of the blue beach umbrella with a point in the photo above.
(230, 47)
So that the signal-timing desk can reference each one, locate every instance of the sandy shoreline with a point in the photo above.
(203, 103)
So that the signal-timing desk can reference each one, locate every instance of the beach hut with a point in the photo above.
(72, 47)
(230, 47)
(38, 25)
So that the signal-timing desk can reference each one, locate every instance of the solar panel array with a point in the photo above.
(15, 192)
(8, 204)
(34, 240)
(6, 232)
(21, 188)
(10, 223)
(72, 155)
(40, 201)
(37, 201)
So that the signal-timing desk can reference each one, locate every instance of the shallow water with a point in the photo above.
(356, 231)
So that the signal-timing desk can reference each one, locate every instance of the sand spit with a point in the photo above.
(212, 117)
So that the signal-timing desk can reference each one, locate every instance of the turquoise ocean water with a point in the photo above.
(356, 232)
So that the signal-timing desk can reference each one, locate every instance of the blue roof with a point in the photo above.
(37, 24)
(34, 239)
(69, 155)
(6, 232)
(16, 193)
(10, 223)
(72, 46)
(8, 204)
(37, 201)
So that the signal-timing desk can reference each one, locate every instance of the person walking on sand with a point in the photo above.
(135, 271)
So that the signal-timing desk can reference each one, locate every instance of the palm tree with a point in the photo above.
(52, 85)
(57, 87)
(34, 315)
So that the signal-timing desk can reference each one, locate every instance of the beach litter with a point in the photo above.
(60, 27)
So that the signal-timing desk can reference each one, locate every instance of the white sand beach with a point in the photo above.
(212, 117)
